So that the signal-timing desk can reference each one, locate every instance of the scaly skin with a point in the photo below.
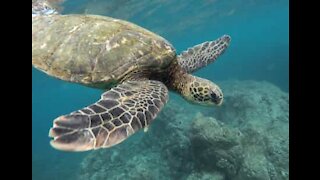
(194, 89)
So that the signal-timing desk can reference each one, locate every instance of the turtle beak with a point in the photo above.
(216, 99)
(220, 101)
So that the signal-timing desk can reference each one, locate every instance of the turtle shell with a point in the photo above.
(90, 49)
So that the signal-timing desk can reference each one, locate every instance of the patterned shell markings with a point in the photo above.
(95, 49)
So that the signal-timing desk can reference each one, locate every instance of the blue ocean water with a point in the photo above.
(259, 51)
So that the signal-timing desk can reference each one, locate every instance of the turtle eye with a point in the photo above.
(213, 96)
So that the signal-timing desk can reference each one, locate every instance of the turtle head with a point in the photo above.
(202, 91)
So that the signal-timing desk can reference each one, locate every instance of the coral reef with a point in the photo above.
(253, 104)
(245, 139)
(215, 146)
(260, 111)
(163, 152)
(206, 176)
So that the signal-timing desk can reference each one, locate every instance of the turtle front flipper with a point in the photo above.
(202, 54)
(121, 111)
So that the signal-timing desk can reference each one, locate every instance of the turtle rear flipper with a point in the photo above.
(119, 113)
(202, 54)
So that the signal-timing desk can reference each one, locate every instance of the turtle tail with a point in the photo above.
(45, 7)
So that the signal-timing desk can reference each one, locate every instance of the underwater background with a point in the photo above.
(245, 138)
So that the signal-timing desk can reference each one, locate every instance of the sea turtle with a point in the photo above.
(134, 66)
